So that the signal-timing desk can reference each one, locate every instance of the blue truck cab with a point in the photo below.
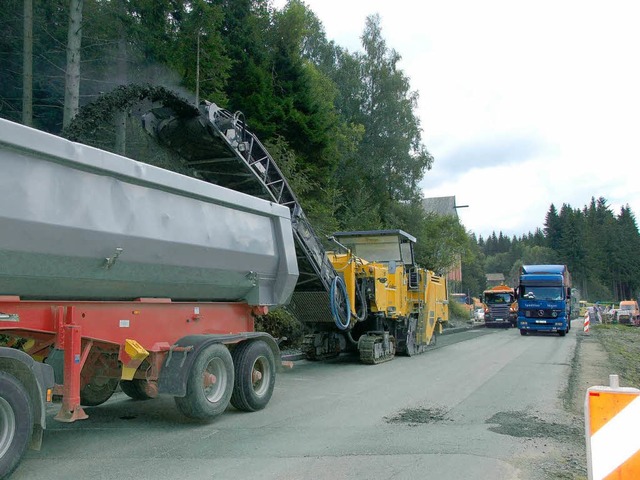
(544, 299)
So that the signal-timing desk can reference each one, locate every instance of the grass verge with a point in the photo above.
(622, 344)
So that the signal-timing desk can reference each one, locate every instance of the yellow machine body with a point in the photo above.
(399, 297)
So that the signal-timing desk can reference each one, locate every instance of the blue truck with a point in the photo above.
(544, 299)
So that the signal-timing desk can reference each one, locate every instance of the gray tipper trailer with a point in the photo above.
(115, 272)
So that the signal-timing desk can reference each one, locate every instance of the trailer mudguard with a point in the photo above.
(37, 378)
(179, 360)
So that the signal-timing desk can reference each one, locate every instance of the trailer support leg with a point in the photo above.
(71, 409)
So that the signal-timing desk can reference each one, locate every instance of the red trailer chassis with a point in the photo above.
(204, 354)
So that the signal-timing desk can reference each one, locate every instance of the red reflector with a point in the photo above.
(594, 394)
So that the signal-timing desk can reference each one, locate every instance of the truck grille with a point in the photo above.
(499, 311)
(541, 313)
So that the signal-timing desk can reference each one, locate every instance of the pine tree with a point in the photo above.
(552, 228)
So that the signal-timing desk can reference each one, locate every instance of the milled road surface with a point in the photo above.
(486, 407)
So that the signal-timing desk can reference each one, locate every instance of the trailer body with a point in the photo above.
(114, 272)
(84, 224)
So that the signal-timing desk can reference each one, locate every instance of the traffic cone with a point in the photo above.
(586, 323)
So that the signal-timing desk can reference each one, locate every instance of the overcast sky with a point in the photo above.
(522, 104)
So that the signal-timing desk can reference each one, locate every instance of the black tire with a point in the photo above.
(255, 376)
(202, 401)
(16, 423)
(562, 333)
(523, 331)
(134, 389)
(96, 393)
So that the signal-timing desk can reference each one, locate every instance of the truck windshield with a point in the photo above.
(543, 293)
(379, 251)
(491, 298)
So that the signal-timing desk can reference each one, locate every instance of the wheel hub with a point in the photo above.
(256, 376)
(214, 380)
(209, 379)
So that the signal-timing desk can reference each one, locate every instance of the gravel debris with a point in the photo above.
(415, 416)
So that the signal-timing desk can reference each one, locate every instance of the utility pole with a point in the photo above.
(198, 69)
(27, 65)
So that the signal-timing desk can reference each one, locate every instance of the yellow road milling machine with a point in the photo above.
(381, 302)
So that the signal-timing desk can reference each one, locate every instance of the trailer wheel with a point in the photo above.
(97, 391)
(16, 423)
(135, 389)
(209, 384)
(255, 376)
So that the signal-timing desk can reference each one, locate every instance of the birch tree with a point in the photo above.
(72, 75)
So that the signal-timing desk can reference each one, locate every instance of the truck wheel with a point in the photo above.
(562, 333)
(255, 376)
(209, 384)
(16, 423)
(135, 389)
(98, 391)
(523, 331)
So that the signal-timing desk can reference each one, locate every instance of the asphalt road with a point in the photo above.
(480, 405)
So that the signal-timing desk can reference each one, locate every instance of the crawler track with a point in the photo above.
(372, 349)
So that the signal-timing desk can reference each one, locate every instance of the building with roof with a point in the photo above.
(440, 205)
(494, 279)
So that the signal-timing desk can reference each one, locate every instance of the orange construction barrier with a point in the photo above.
(612, 431)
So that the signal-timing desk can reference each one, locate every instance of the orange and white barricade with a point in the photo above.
(586, 323)
(612, 431)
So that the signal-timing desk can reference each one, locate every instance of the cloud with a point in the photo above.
(515, 119)
(485, 153)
